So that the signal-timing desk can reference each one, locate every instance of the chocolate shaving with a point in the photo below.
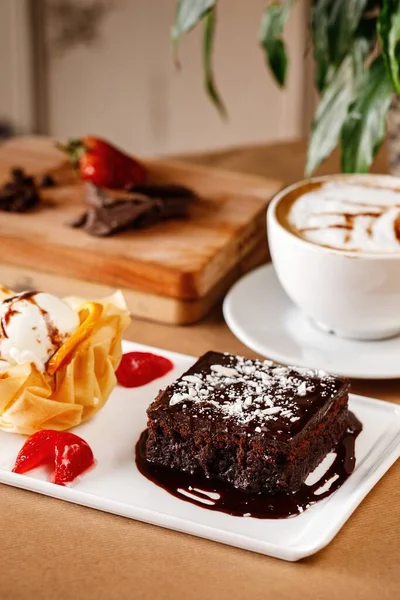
(138, 207)
(20, 194)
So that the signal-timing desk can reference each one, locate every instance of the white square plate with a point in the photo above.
(116, 486)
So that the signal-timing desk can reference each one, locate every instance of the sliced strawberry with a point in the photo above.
(72, 457)
(140, 368)
(68, 453)
(37, 451)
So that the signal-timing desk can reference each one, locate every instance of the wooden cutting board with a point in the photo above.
(172, 272)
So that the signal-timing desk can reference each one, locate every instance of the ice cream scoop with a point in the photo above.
(33, 325)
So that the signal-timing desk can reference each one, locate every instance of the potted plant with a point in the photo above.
(356, 45)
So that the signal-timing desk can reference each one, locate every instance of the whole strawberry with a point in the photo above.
(102, 164)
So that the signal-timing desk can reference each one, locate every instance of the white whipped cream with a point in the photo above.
(349, 216)
(32, 329)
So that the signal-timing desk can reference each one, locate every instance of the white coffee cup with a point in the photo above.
(352, 294)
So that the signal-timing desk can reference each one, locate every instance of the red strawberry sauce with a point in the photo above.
(139, 368)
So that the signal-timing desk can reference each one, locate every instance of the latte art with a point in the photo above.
(348, 216)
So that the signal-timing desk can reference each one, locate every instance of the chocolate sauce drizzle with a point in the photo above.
(396, 226)
(217, 495)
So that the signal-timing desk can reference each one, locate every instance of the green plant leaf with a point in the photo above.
(272, 25)
(334, 24)
(389, 34)
(330, 115)
(319, 28)
(364, 128)
(209, 24)
(335, 101)
(188, 14)
(364, 43)
(344, 20)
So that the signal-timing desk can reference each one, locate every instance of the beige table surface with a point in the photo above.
(51, 549)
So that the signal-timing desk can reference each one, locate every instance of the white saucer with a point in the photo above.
(261, 315)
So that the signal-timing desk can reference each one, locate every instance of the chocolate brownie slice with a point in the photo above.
(255, 424)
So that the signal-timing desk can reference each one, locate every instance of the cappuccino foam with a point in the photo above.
(348, 216)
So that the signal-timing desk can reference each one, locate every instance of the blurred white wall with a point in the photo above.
(16, 88)
(124, 85)
(121, 82)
